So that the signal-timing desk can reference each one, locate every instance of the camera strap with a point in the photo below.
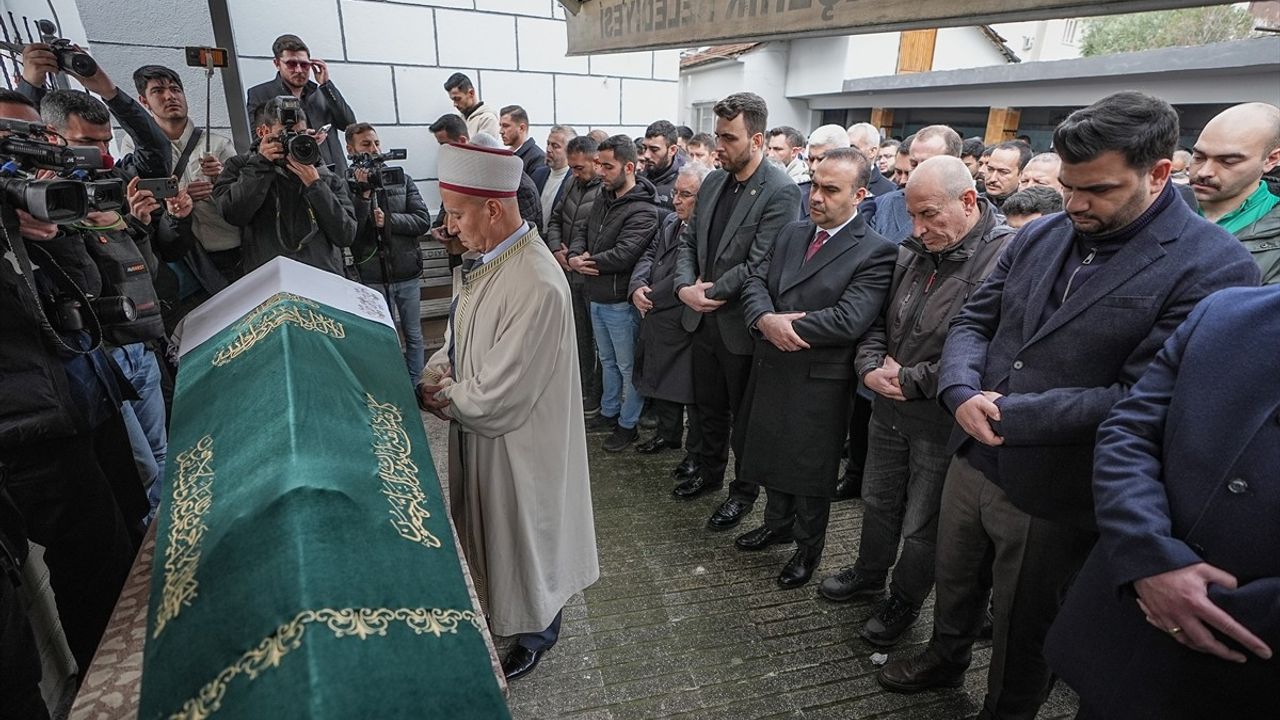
(19, 249)
(180, 167)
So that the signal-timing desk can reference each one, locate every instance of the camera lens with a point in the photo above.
(304, 149)
(77, 62)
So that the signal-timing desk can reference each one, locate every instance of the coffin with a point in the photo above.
(305, 566)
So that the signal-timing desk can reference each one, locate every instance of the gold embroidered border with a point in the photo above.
(192, 496)
(269, 316)
(362, 623)
(399, 474)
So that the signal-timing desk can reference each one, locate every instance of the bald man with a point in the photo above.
(1233, 152)
(956, 238)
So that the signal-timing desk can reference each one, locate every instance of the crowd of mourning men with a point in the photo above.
(932, 324)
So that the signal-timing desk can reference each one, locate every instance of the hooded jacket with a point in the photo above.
(664, 183)
(616, 234)
(407, 218)
(1262, 240)
(928, 290)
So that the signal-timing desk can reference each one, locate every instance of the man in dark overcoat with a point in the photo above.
(808, 302)
(1176, 613)
(1075, 311)
(664, 356)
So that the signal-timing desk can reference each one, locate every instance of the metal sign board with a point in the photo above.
(603, 26)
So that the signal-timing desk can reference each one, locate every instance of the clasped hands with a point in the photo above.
(430, 399)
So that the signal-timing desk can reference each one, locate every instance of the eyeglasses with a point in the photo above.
(297, 64)
(686, 195)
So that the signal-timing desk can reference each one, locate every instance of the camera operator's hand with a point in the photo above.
(379, 218)
(141, 202)
(200, 190)
(361, 176)
(271, 148)
(33, 229)
(38, 63)
(321, 70)
(179, 205)
(99, 82)
(308, 174)
(210, 167)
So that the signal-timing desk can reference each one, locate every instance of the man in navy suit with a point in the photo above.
(809, 301)
(1177, 610)
(1071, 317)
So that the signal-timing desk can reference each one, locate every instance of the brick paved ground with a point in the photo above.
(682, 625)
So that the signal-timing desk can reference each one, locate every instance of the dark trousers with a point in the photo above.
(69, 491)
(719, 384)
(806, 517)
(19, 659)
(542, 640)
(859, 422)
(588, 363)
(902, 493)
(1031, 559)
(671, 425)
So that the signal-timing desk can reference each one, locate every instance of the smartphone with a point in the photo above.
(206, 57)
(162, 188)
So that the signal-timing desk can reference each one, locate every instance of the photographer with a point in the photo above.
(386, 248)
(151, 158)
(212, 257)
(320, 99)
(70, 469)
(286, 207)
(121, 248)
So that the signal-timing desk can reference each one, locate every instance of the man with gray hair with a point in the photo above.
(552, 178)
(891, 219)
(826, 137)
(1042, 170)
(865, 137)
(956, 239)
(664, 356)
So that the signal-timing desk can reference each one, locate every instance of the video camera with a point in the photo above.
(380, 175)
(297, 145)
(24, 148)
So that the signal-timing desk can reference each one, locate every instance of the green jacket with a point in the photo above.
(1262, 240)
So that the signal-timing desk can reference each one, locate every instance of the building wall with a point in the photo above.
(965, 47)
(390, 60)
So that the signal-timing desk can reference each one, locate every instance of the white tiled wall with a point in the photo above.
(514, 50)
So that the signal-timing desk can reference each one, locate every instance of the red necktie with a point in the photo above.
(818, 241)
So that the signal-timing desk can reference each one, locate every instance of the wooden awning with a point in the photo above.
(604, 26)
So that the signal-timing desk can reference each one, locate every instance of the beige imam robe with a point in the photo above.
(519, 487)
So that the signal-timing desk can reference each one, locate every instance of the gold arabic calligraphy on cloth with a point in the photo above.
(361, 623)
(277, 310)
(399, 473)
(192, 496)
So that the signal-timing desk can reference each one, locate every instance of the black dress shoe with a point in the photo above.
(892, 617)
(728, 515)
(521, 661)
(656, 444)
(687, 468)
(924, 671)
(799, 568)
(602, 423)
(761, 538)
(620, 439)
(850, 485)
(849, 584)
(694, 486)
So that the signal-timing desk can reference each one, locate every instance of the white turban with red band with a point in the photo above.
(479, 171)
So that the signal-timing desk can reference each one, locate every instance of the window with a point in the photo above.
(704, 118)
(1070, 31)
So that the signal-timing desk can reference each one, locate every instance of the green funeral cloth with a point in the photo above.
(1250, 211)
(305, 566)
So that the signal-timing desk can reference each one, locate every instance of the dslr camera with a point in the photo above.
(380, 175)
(70, 59)
(297, 145)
